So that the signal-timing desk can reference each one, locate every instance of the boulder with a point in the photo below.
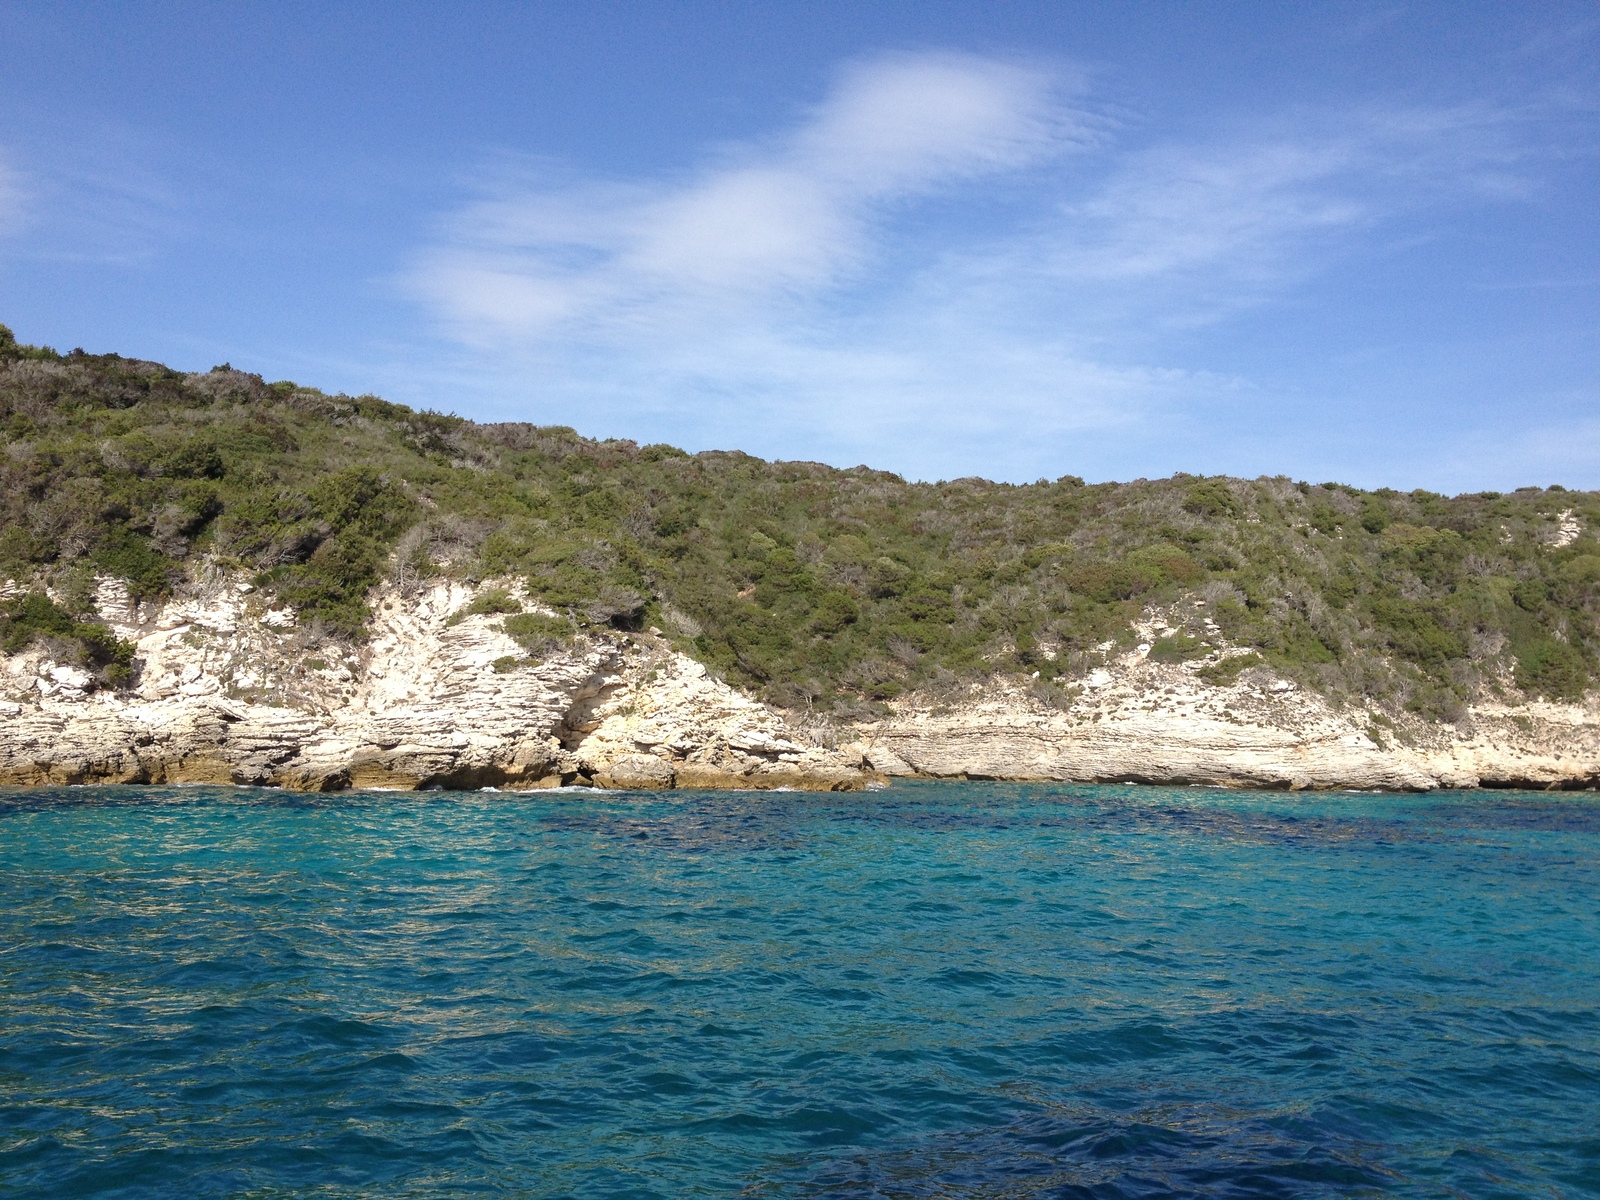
(643, 772)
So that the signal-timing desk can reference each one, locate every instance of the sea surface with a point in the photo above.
(938, 990)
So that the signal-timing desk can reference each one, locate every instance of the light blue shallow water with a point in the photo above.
(938, 990)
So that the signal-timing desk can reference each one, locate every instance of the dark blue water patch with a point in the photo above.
(1169, 1151)
(975, 990)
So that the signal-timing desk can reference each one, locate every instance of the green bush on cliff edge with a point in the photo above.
(33, 618)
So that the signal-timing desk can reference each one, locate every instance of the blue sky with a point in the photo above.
(1335, 241)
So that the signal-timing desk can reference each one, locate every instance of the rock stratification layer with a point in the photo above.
(230, 690)
(1243, 737)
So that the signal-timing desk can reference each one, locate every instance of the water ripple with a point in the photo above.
(939, 990)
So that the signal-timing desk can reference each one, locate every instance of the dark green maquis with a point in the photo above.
(832, 590)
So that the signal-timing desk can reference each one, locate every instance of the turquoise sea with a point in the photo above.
(939, 990)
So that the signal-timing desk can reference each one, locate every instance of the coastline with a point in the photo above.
(230, 691)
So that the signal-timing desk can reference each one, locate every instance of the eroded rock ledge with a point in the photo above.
(230, 691)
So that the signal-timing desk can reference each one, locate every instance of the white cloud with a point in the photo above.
(767, 221)
(105, 205)
(795, 297)
(1192, 232)
(899, 123)
(1181, 209)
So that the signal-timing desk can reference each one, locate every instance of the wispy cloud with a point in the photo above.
(106, 204)
(951, 264)
(1190, 232)
(762, 223)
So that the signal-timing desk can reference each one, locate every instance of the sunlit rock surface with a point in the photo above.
(229, 689)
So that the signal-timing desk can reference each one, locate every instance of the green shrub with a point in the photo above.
(1226, 672)
(1550, 668)
(1211, 498)
(130, 556)
(537, 633)
(34, 617)
(1177, 648)
(490, 602)
(329, 589)
(835, 610)
(1413, 629)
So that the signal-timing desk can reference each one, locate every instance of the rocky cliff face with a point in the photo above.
(230, 690)
(1156, 724)
(1150, 722)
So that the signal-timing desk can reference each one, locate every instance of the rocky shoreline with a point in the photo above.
(230, 690)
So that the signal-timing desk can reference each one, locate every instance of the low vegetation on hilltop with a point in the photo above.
(819, 588)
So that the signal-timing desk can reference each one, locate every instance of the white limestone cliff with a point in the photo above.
(1149, 722)
(230, 690)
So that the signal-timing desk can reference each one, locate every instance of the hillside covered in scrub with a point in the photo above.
(831, 590)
